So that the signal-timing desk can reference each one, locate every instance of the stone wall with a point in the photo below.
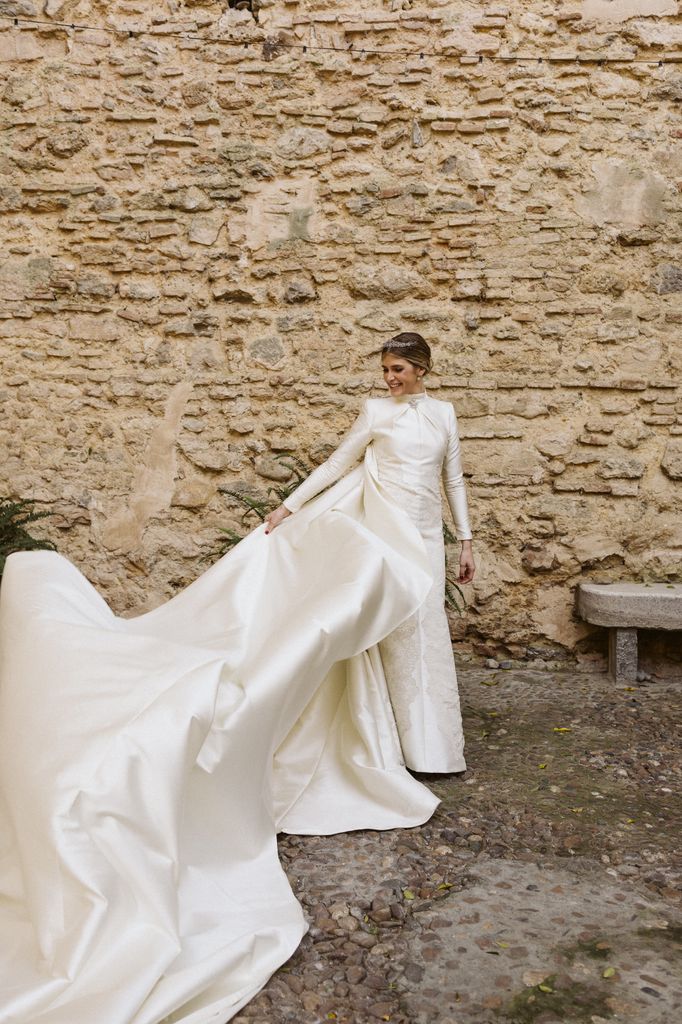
(205, 244)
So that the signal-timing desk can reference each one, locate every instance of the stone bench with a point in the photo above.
(625, 608)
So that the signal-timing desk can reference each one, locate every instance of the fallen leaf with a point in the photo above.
(533, 978)
(408, 894)
(577, 810)
(543, 765)
(502, 945)
(545, 988)
(609, 972)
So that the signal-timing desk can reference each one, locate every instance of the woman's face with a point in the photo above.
(401, 376)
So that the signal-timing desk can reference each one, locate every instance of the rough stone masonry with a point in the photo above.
(208, 232)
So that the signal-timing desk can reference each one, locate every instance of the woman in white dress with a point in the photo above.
(147, 764)
(416, 442)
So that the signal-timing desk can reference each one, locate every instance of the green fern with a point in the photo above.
(252, 505)
(261, 507)
(452, 589)
(448, 535)
(14, 518)
(299, 467)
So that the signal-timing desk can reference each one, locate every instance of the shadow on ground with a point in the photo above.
(546, 888)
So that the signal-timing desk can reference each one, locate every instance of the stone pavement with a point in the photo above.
(546, 888)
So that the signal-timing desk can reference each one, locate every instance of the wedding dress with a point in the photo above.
(147, 764)
(415, 441)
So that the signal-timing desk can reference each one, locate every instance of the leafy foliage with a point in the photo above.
(14, 518)
(261, 507)
(453, 591)
(454, 595)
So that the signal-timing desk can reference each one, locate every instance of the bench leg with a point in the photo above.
(623, 655)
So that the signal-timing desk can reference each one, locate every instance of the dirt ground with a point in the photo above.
(547, 887)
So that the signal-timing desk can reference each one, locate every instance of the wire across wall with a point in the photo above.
(276, 44)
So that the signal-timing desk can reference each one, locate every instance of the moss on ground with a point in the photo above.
(527, 756)
(596, 949)
(577, 1002)
(672, 934)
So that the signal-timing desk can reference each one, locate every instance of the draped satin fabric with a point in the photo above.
(416, 445)
(147, 764)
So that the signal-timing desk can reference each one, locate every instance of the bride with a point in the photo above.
(147, 764)
(415, 441)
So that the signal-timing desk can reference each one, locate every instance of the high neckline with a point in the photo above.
(418, 396)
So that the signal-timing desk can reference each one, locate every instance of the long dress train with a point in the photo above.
(147, 764)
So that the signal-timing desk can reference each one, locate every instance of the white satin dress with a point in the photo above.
(416, 444)
(147, 764)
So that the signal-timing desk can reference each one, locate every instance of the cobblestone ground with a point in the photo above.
(547, 887)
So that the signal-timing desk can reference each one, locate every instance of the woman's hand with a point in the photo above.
(467, 568)
(275, 518)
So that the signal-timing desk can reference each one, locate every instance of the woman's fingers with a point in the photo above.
(466, 570)
(273, 519)
(271, 522)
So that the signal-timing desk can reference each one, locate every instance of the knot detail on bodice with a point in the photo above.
(412, 400)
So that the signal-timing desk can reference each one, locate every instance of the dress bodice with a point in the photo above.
(415, 443)
(410, 445)
(410, 442)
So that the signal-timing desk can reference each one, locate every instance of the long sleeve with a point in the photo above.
(453, 482)
(344, 458)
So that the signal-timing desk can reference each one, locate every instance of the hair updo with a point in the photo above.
(410, 346)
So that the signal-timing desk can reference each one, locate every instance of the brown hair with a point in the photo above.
(410, 346)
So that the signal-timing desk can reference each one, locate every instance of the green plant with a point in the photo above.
(260, 507)
(453, 591)
(14, 518)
